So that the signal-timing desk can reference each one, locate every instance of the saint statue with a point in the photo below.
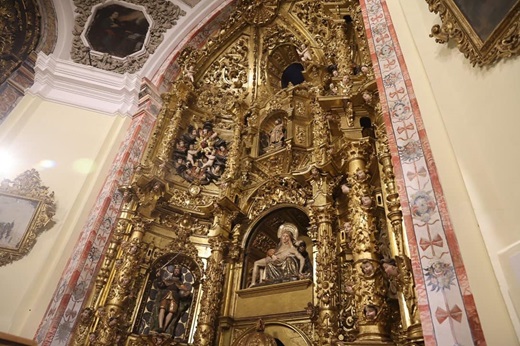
(277, 134)
(172, 301)
(285, 263)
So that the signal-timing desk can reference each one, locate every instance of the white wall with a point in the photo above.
(471, 119)
(82, 144)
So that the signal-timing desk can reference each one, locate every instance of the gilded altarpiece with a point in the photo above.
(266, 197)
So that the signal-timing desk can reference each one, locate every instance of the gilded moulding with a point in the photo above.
(484, 33)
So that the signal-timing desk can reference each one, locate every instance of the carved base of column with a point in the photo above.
(415, 335)
(372, 333)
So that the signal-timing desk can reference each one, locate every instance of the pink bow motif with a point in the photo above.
(398, 91)
(442, 315)
(401, 129)
(436, 241)
(420, 173)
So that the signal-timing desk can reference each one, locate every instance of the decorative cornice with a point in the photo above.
(85, 86)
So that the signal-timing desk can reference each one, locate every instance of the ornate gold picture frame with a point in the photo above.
(26, 210)
(485, 31)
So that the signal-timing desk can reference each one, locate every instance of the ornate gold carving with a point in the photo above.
(314, 17)
(276, 35)
(483, 49)
(259, 12)
(402, 276)
(368, 285)
(257, 337)
(327, 293)
(183, 199)
(322, 173)
(176, 221)
(211, 295)
(320, 134)
(277, 191)
(301, 160)
(228, 72)
(27, 211)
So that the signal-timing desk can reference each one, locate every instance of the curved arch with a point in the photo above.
(265, 213)
(159, 275)
(194, 264)
(271, 327)
(263, 235)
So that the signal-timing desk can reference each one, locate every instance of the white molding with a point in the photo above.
(83, 86)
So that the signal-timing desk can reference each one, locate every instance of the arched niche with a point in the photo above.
(156, 296)
(281, 59)
(283, 333)
(263, 236)
(273, 132)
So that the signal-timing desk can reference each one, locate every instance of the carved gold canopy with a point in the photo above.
(274, 121)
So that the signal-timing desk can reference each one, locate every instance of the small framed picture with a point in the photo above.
(26, 210)
(16, 215)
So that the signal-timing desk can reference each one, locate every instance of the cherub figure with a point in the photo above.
(333, 89)
(210, 154)
(189, 73)
(304, 53)
(345, 85)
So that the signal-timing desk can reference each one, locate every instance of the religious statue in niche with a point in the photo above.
(117, 30)
(170, 300)
(289, 261)
(200, 155)
(274, 138)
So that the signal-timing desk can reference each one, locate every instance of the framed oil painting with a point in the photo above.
(484, 31)
(118, 30)
(119, 36)
(26, 210)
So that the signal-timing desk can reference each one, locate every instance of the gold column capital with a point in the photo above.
(359, 150)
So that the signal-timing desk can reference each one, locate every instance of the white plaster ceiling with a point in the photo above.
(60, 79)
(197, 12)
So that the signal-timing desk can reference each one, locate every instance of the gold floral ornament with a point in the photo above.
(26, 210)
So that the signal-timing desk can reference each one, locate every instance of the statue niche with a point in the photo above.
(272, 134)
(170, 290)
(285, 259)
(200, 155)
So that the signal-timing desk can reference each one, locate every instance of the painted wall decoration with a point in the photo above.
(117, 30)
(447, 309)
